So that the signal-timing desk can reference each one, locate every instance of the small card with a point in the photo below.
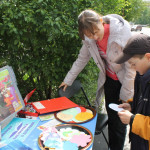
(50, 123)
(38, 105)
(46, 117)
(115, 107)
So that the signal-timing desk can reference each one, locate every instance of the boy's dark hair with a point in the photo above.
(138, 44)
(140, 56)
(87, 20)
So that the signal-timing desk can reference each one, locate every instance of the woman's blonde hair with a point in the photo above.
(87, 20)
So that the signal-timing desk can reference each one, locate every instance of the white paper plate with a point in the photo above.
(115, 107)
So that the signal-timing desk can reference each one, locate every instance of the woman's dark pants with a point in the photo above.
(116, 129)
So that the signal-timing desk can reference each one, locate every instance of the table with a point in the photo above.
(32, 139)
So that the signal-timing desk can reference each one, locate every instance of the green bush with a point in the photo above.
(39, 39)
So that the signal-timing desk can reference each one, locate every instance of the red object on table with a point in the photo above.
(27, 113)
(24, 113)
(52, 105)
(28, 96)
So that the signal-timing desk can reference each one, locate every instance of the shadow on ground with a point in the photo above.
(100, 144)
(99, 141)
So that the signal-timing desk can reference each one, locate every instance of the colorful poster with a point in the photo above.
(18, 129)
(10, 98)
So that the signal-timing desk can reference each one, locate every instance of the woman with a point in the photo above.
(103, 39)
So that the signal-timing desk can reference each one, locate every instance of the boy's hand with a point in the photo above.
(63, 84)
(125, 106)
(125, 116)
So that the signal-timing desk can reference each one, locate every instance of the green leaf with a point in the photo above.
(15, 42)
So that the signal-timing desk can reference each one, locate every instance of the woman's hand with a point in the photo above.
(63, 84)
(125, 116)
(125, 106)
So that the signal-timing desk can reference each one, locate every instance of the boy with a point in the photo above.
(137, 53)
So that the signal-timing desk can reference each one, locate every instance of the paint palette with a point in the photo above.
(75, 115)
(65, 137)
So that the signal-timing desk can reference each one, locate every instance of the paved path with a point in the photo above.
(100, 144)
(145, 30)
(99, 141)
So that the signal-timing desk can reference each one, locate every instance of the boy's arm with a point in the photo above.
(141, 126)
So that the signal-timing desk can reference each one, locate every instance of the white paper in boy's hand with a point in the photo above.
(115, 107)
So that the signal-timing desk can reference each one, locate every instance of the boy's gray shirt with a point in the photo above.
(120, 32)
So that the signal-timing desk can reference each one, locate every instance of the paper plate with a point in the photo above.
(115, 107)
(80, 114)
(66, 136)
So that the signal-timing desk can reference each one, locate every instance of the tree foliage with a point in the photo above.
(129, 9)
(144, 18)
(39, 39)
